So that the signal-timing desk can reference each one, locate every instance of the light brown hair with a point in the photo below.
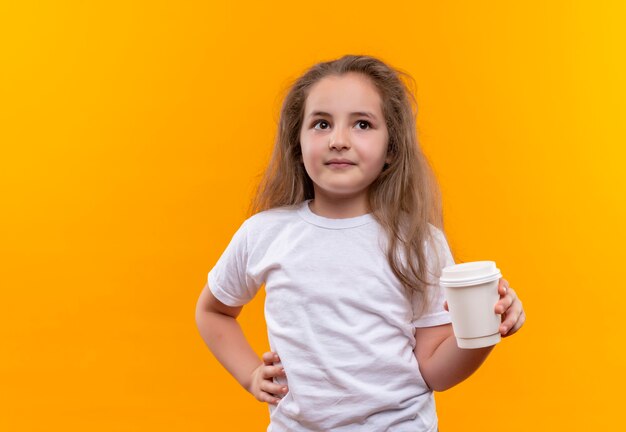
(404, 199)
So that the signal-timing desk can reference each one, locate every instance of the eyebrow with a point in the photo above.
(352, 114)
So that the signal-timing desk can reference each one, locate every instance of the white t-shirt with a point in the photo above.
(338, 318)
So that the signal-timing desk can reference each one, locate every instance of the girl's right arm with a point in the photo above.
(222, 333)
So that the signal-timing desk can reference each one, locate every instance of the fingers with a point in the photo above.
(445, 306)
(273, 391)
(269, 358)
(511, 309)
(506, 300)
(517, 325)
(504, 304)
(268, 390)
(503, 286)
(505, 283)
(268, 398)
(269, 372)
(513, 315)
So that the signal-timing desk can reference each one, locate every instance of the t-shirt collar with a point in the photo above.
(305, 212)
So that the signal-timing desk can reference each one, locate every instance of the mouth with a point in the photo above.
(339, 162)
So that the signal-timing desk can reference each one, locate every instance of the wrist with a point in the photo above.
(248, 380)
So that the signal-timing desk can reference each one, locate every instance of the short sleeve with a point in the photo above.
(229, 280)
(438, 256)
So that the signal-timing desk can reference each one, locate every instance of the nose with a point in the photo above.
(339, 140)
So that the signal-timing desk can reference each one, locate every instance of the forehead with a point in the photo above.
(344, 93)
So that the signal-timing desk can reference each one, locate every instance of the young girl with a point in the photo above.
(346, 234)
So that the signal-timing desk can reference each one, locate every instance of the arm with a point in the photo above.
(443, 364)
(222, 333)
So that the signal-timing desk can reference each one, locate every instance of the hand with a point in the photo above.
(261, 385)
(509, 306)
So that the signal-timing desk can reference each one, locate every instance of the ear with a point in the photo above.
(390, 152)
(389, 157)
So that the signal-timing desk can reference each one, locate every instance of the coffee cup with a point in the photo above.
(471, 290)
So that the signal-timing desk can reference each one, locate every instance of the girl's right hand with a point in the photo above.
(262, 387)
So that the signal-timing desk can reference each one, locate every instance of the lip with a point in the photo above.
(340, 162)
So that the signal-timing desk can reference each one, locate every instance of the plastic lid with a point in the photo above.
(471, 273)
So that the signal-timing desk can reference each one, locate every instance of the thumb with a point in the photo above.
(269, 358)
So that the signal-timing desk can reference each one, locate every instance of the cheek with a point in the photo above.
(306, 153)
(310, 149)
(374, 151)
(309, 159)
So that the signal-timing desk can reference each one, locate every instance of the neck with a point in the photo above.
(339, 208)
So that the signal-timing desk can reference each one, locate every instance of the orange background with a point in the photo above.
(132, 134)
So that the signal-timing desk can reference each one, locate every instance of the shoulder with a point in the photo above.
(275, 216)
(435, 237)
(434, 231)
(438, 249)
(268, 223)
(436, 245)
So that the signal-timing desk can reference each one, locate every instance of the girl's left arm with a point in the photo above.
(443, 364)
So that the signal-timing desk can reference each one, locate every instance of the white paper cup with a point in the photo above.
(471, 290)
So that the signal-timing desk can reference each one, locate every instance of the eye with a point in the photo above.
(363, 124)
(321, 122)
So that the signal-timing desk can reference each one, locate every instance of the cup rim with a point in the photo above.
(469, 273)
(470, 282)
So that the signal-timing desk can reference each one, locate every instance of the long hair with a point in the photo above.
(404, 199)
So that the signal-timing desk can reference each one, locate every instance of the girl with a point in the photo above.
(346, 234)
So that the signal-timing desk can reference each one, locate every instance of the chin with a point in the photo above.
(342, 192)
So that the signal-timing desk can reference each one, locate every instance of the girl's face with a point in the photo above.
(344, 136)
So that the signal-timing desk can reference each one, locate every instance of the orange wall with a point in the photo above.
(132, 133)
